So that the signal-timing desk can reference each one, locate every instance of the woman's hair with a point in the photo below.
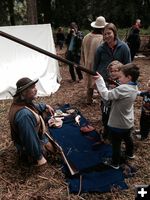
(131, 70)
(112, 27)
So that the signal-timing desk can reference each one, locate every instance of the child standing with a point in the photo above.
(113, 71)
(121, 117)
(145, 113)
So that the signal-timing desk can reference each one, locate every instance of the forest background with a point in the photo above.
(18, 182)
(62, 12)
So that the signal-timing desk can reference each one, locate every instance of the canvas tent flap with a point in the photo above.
(17, 61)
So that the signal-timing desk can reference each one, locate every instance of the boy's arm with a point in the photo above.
(101, 86)
(115, 93)
(139, 93)
(146, 91)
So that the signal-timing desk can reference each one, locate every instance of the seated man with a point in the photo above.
(26, 122)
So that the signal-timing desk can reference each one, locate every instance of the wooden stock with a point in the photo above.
(31, 46)
(73, 170)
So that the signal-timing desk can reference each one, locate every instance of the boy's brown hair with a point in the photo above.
(131, 70)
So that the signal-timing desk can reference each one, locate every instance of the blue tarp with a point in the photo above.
(80, 149)
(103, 181)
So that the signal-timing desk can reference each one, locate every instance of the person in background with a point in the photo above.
(113, 81)
(133, 39)
(112, 49)
(121, 117)
(73, 42)
(60, 37)
(26, 122)
(145, 113)
(89, 45)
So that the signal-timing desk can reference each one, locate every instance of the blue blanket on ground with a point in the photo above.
(103, 181)
(87, 157)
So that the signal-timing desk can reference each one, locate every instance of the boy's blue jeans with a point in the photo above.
(116, 138)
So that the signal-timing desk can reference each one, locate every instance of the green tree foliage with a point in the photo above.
(4, 13)
(44, 11)
(11, 12)
(32, 12)
(65, 11)
(62, 12)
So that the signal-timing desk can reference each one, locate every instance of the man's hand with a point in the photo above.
(50, 109)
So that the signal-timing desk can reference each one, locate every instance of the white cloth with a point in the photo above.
(17, 61)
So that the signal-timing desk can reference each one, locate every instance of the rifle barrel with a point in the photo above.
(31, 46)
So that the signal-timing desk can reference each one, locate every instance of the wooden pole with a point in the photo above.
(73, 170)
(31, 46)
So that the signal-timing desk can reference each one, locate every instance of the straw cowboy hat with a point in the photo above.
(24, 83)
(99, 23)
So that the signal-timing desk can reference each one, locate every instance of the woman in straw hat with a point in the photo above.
(89, 45)
(26, 123)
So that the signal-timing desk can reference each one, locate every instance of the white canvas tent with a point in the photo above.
(17, 61)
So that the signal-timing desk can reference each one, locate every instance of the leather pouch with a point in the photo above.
(87, 128)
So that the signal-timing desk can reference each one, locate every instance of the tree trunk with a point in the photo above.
(11, 11)
(32, 12)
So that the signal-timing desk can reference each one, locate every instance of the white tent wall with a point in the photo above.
(17, 61)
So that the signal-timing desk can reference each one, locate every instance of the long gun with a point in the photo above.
(111, 81)
(31, 46)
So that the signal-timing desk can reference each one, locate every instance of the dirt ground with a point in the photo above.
(20, 182)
